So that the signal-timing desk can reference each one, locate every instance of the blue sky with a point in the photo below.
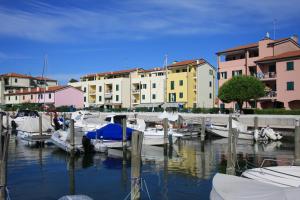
(88, 36)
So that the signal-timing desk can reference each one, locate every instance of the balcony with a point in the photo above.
(135, 101)
(266, 76)
(108, 95)
(270, 95)
(135, 91)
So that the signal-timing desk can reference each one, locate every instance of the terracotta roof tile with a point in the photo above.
(16, 75)
(126, 71)
(242, 47)
(43, 78)
(286, 55)
(153, 69)
(187, 62)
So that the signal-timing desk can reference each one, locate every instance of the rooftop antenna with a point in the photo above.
(274, 28)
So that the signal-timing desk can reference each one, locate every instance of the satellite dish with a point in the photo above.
(267, 35)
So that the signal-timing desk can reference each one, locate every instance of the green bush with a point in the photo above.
(276, 111)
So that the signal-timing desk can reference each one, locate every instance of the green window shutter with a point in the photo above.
(289, 66)
(172, 85)
(290, 86)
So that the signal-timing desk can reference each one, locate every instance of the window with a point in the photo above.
(184, 70)
(224, 75)
(210, 96)
(180, 95)
(289, 66)
(84, 89)
(16, 80)
(41, 96)
(84, 99)
(290, 85)
(23, 97)
(160, 74)
(142, 75)
(31, 97)
(100, 98)
(177, 71)
(144, 86)
(100, 88)
(211, 72)
(153, 85)
(172, 97)
(153, 96)
(210, 83)
(143, 97)
(8, 98)
(16, 97)
(117, 97)
(117, 87)
(181, 82)
(49, 95)
(172, 85)
(237, 73)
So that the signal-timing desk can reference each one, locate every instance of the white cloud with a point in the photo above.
(141, 19)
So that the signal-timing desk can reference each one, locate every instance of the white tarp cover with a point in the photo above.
(233, 188)
(31, 124)
(170, 116)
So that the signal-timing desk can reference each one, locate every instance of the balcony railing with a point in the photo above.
(268, 75)
(270, 95)
(108, 95)
(135, 91)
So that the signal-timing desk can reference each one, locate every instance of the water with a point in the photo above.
(48, 173)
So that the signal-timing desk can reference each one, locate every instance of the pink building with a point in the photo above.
(55, 95)
(275, 62)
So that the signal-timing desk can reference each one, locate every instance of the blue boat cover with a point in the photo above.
(110, 132)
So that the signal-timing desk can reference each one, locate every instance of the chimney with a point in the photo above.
(38, 89)
(47, 88)
(197, 61)
(295, 38)
(175, 61)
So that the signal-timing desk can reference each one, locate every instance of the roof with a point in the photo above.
(153, 69)
(40, 90)
(187, 62)
(253, 45)
(126, 71)
(16, 75)
(43, 78)
(286, 55)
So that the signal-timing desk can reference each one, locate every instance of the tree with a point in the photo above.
(72, 80)
(240, 89)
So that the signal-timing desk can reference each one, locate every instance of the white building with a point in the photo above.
(206, 78)
(147, 88)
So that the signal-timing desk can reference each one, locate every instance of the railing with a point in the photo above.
(270, 94)
(135, 91)
(266, 75)
(108, 95)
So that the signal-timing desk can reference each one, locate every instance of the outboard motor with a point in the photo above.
(87, 146)
(14, 125)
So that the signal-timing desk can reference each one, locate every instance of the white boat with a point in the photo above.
(281, 176)
(86, 120)
(75, 197)
(222, 131)
(61, 138)
(227, 187)
(267, 133)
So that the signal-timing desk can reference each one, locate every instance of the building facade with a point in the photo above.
(147, 87)
(274, 62)
(54, 95)
(191, 83)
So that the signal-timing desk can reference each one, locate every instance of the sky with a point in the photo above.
(88, 36)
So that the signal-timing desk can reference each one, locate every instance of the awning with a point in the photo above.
(172, 105)
(148, 105)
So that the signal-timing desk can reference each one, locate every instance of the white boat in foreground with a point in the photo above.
(281, 176)
(227, 187)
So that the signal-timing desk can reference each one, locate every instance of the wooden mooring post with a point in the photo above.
(1, 133)
(230, 169)
(40, 124)
(202, 129)
(124, 134)
(7, 121)
(165, 126)
(3, 163)
(136, 148)
(255, 123)
(297, 142)
(72, 137)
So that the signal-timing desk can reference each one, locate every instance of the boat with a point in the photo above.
(111, 135)
(267, 133)
(228, 187)
(62, 139)
(75, 197)
(222, 131)
(281, 176)
(86, 120)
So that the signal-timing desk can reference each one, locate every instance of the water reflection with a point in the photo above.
(185, 172)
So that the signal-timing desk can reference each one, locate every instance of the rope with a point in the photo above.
(142, 185)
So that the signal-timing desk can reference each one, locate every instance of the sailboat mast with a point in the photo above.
(44, 79)
(166, 78)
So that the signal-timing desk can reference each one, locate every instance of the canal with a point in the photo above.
(185, 173)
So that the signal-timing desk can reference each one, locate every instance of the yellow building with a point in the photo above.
(190, 84)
